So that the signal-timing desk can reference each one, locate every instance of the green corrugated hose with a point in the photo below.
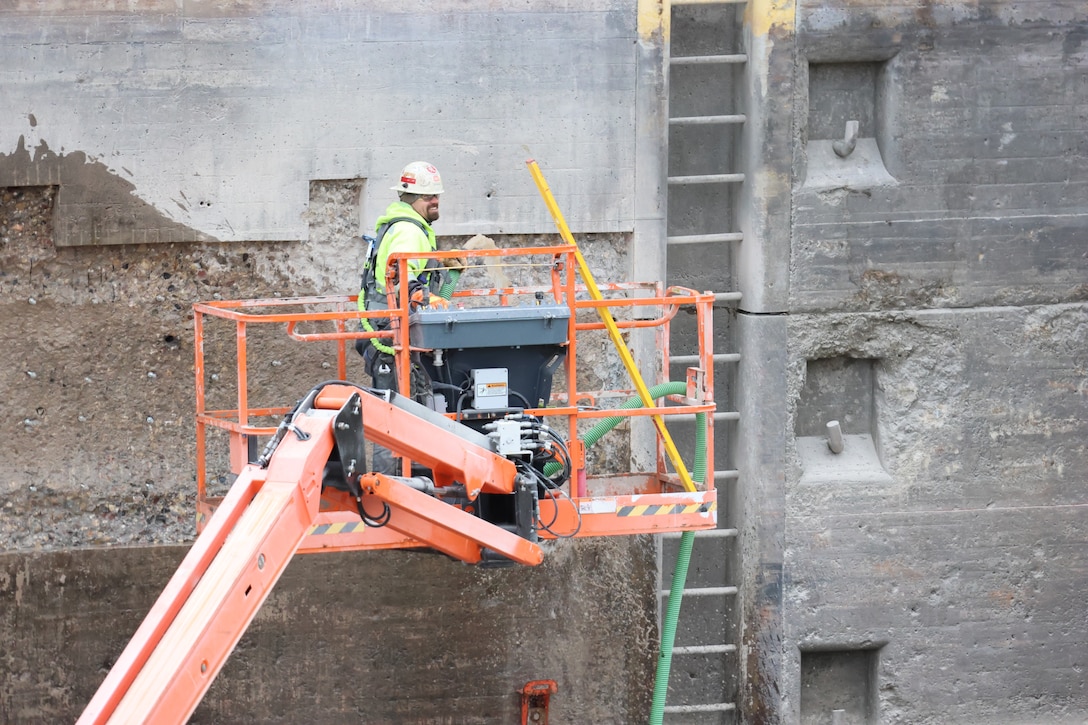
(676, 591)
(668, 626)
(604, 425)
(687, 539)
(446, 291)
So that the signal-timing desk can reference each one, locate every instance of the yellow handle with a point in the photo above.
(610, 324)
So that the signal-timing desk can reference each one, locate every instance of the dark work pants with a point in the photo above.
(383, 372)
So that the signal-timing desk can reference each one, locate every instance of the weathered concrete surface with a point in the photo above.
(958, 562)
(980, 111)
(218, 116)
(93, 205)
(977, 613)
(390, 637)
(952, 546)
(961, 558)
(759, 506)
(99, 380)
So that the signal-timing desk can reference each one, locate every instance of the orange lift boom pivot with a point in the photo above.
(215, 593)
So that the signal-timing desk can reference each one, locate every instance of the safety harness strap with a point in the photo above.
(368, 288)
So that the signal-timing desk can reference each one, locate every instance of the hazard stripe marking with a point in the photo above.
(340, 527)
(667, 510)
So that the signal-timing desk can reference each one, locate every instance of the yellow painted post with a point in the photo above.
(610, 324)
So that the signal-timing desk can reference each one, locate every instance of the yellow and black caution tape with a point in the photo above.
(667, 509)
(339, 527)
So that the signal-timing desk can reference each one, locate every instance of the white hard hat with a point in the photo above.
(419, 177)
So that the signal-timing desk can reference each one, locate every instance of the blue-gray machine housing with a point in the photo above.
(528, 341)
(475, 350)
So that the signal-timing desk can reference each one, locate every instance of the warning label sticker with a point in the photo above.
(597, 506)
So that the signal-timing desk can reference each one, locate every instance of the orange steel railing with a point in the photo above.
(335, 320)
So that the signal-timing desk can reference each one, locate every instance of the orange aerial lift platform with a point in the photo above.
(492, 459)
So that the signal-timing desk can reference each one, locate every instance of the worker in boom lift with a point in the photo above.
(404, 227)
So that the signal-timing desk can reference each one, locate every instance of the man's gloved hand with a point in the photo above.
(456, 264)
(422, 298)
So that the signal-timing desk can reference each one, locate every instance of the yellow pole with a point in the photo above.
(610, 324)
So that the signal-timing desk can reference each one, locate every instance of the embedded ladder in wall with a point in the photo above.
(702, 651)
(705, 648)
(723, 119)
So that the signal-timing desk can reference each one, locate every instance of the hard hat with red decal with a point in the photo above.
(419, 177)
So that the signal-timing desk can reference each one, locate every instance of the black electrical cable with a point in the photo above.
(547, 527)
(377, 523)
(567, 462)
(555, 517)
(555, 483)
(448, 386)
(285, 425)
(307, 401)
(551, 446)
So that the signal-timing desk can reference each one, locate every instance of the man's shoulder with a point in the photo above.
(407, 228)
(398, 212)
(406, 233)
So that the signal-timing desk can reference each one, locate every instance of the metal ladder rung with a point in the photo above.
(724, 415)
(705, 238)
(707, 120)
(703, 592)
(674, 479)
(706, 179)
(704, 649)
(709, 59)
(724, 357)
(706, 533)
(712, 707)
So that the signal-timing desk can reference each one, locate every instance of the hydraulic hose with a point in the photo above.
(676, 591)
(604, 425)
(687, 539)
(446, 290)
(668, 626)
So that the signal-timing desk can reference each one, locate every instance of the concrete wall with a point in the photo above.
(156, 155)
(936, 307)
(950, 541)
(925, 289)
(202, 121)
(977, 119)
(390, 637)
